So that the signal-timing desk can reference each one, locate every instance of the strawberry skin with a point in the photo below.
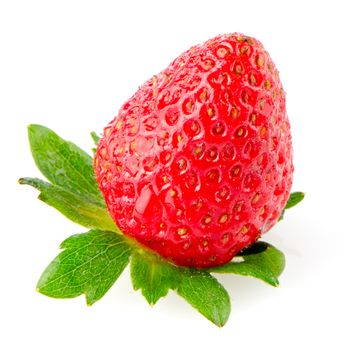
(198, 162)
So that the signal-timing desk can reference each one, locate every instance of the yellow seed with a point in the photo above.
(189, 106)
(224, 238)
(262, 131)
(210, 112)
(244, 49)
(252, 79)
(238, 207)
(259, 61)
(106, 165)
(182, 164)
(234, 112)
(253, 118)
(240, 132)
(222, 52)
(207, 219)
(179, 212)
(204, 95)
(245, 229)
(133, 145)
(119, 125)
(236, 170)
(206, 65)
(256, 198)
(262, 103)
(154, 80)
(223, 218)
(212, 175)
(107, 132)
(224, 192)
(181, 231)
(198, 204)
(195, 127)
(197, 150)
(267, 85)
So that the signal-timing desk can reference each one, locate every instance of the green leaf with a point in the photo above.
(153, 276)
(261, 260)
(282, 215)
(74, 206)
(95, 137)
(90, 263)
(63, 163)
(205, 294)
(74, 191)
(294, 199)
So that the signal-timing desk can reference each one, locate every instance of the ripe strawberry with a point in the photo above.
(198, 163)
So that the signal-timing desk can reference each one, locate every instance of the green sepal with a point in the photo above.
(153, 276)
(262, 261)
(74, 206)
(73, 189)
(294, 199)
(89, 264)
(63, 163)
(201, 290)
(95, 137)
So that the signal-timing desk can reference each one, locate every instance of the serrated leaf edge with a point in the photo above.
(95, 138)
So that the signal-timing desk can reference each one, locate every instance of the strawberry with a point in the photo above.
(198, 162)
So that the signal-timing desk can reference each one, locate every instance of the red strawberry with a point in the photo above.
(198, 163)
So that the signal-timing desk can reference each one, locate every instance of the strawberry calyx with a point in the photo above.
(71, 188)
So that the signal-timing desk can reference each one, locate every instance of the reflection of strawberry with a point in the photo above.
(198, 163)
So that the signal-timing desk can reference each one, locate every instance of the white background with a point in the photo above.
(70, 65)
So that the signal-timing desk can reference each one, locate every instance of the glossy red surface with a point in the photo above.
(198, 163)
